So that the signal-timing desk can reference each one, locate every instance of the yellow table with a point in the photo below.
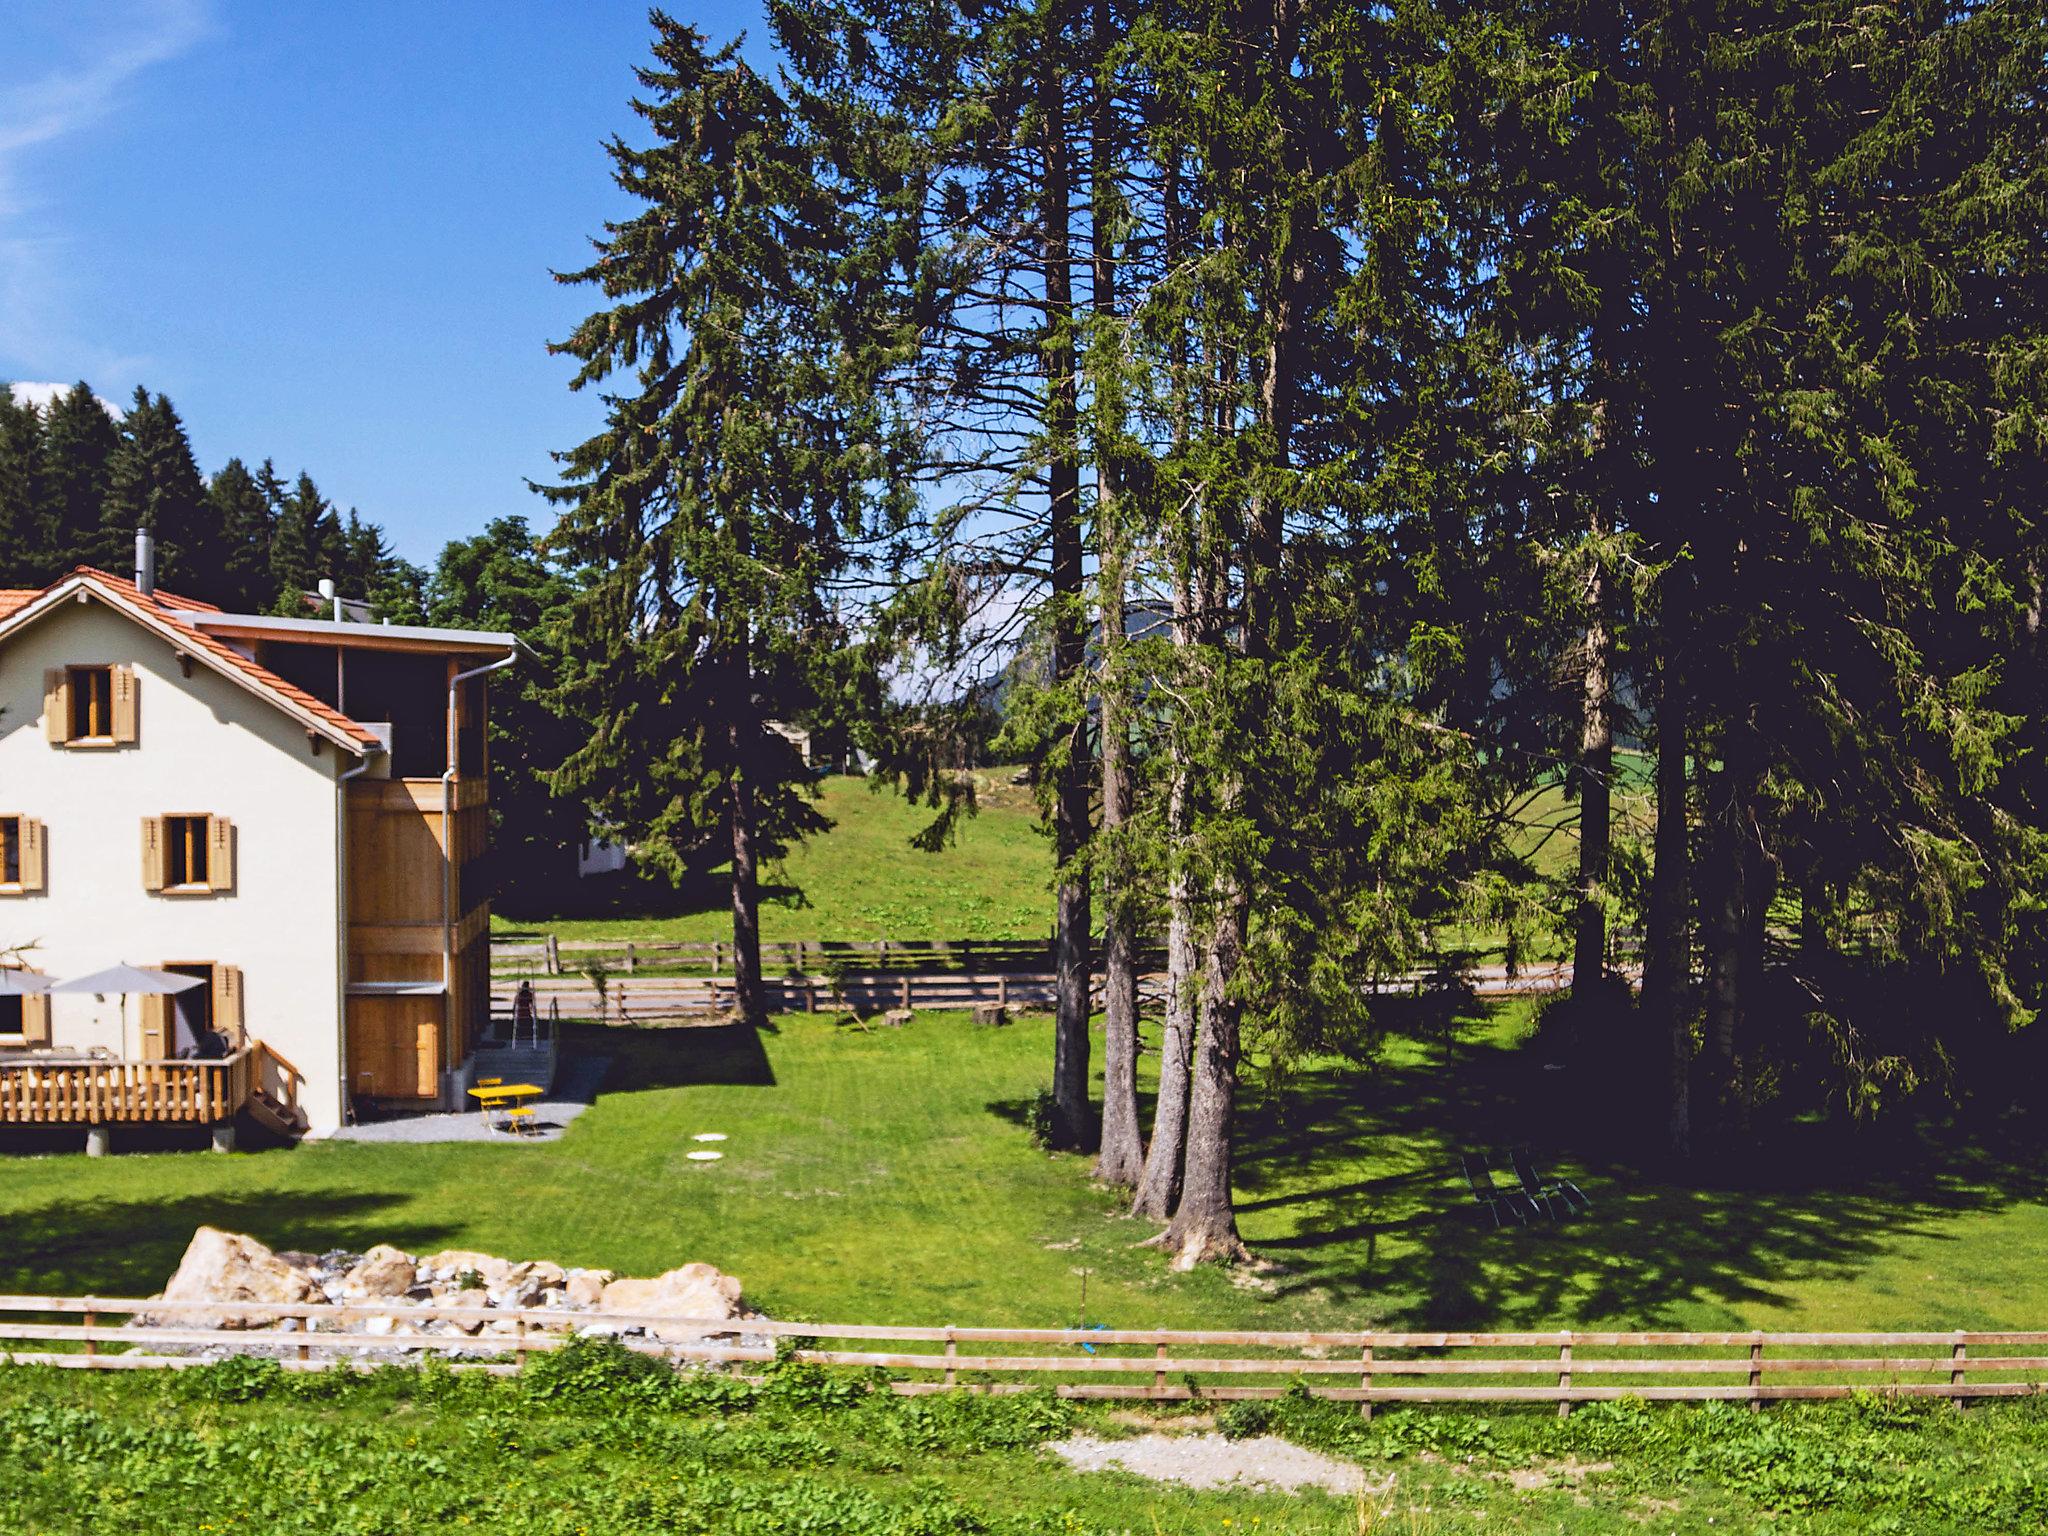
(503, 1095)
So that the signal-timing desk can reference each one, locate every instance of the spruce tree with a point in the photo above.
(153, 483)
(244, 515)
(24, 536)
(79, 439)
(710, 518)
(297, 559)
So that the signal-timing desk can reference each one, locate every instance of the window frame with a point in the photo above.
(200, 825)
(96, 695)
(11, 850)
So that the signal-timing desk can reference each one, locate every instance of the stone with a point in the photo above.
(896, 1018)
(385, 1272)
(299, 1259)
(227, 1266)
(694, 1291)
(452, 1263)
(585, 1287)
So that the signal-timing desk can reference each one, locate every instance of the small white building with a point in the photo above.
(284, 809)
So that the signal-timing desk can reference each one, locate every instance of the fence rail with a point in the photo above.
(551, 955)
(1170, 1364)
(644, 998)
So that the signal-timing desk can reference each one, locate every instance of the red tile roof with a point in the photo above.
(166, 607)
(12, 598)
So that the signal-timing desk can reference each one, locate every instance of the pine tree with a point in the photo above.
(24, 552)
(245, 517)
(297, 558)
(153, 483)
(710, 518)
(79, 439)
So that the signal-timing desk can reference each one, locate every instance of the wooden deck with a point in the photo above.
(52, 1089)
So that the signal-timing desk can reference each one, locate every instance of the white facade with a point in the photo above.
(204, 746)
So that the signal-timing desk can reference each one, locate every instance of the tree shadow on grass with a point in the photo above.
(111, 1247)
(724, 1055)
(1413, 1249)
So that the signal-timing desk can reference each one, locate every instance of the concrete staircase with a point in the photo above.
(526, 1062)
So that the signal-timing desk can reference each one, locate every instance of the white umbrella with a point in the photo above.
(130, 979)
(22, 983)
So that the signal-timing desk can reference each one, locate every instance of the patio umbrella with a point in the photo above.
(130, 980)
(22, 983)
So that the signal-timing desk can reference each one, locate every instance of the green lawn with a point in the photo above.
(862, 879)
(584, 1444)
(884, 1177)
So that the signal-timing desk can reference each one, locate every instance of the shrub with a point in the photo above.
(1243, 1420)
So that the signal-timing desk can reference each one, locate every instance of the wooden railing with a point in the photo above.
(1162, 1365)
(712, 957)
(272, 1074)
(55, 1091)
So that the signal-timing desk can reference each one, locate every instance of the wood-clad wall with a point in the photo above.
(398, 1046)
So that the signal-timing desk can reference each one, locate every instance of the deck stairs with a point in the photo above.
(280, 1118)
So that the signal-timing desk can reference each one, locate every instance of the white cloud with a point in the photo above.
(40, 396)
(95, 51)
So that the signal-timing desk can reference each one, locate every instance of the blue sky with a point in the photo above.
(323, 229)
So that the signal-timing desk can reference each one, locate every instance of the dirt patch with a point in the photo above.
(1570, 1472)
(1210, 1461)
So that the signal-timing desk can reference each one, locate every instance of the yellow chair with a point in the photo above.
(520, 1121)
(485, 1103)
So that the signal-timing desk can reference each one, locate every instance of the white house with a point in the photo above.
(282, 808)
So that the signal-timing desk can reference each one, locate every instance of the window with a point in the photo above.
(92, 703)
(21, 855)
(184, 852)
(24, 1021)
(188, 854)
(90, 706)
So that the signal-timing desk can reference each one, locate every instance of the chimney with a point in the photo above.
(145, 562)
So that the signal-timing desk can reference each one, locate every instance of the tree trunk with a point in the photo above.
(1727, 946)
(1667, 954)
(1159, 1183)
(1596, 780)
(748, 996)
(1073, 1122)
(1204, 1225)
(1121, 1159)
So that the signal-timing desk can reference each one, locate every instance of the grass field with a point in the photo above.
(585, 1444)
(862, 879)
(885, 1177)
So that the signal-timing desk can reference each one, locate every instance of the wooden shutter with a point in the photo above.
(220, 854)
(32, 835)
(156, 1027)
(122, 685)
(57, 705)
(35, 1020)
(227, 1001)
(152, 853)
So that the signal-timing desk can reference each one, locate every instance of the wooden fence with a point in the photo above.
(551, 955)
(55, 1091)
(1159, 1365)
(643, 999)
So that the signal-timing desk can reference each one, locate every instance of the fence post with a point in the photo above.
(1003, 989)
(92, 1318)
(519, 1346)
(906, 992)
(1159, 1369)
(1756, 1373)
(1564, 1375)
(554, 956)
(1958, 1353)
(810, 994)
(632, 959)
(1365, 1377)
(952, 1354)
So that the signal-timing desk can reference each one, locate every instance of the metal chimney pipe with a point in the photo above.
(145, 562)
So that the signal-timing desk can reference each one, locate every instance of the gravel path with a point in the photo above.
(1210, 1461)
(576, 1085)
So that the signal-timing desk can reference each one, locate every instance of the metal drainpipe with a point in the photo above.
(448, 827)
(341, 899)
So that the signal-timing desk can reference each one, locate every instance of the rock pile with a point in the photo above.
(227, 1266)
